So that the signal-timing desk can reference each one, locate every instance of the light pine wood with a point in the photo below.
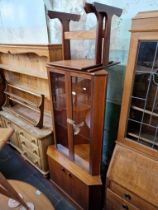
(6, 189)
(81, 35)
(31, 142)
(40, 50)
(132, 174)
(145, 22)
(115, 202)
(130, 197)
(30, 194)
(5, 134)
(135, 173)
(25, 66)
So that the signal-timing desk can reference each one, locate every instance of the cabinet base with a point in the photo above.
(83, 189)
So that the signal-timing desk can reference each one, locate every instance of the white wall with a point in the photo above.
(120, 35)
(23, 21)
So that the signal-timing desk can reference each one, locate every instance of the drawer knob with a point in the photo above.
(63, 169)
(36, 163)
(33, 141)
(23, 142)
(21, 133)
(35, 152)
(127, 196)
(70, 175)
(125, 207)
(25, 153)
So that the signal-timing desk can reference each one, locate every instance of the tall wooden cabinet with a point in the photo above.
(78, 91)
(78, 100)
(132, 181)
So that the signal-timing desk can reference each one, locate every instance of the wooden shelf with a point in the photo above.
(40, 49)
(26, 71)
(81, 154)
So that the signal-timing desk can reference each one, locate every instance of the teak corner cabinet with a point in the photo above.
(78, 100)
(132, 179)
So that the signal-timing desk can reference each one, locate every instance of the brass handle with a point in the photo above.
(127, 196)
(8, 123)
(76, 127)
(35, 152)
(25, 154)
(70, 175)
(21, 133)
(125, 207)
(33, 141)
(36, 163)
(23, 142)
(63, 169)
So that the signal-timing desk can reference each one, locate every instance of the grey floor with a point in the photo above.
(13, 166)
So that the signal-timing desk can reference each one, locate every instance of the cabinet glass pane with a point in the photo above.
(60, 111)
(81, 108)
(142, 125)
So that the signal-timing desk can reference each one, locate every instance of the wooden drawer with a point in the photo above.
(31, 139)
(76, 189)
(2, 124)
(30, 156)
(25, 142)
(114, 202)
(130, 197)
(14, 138)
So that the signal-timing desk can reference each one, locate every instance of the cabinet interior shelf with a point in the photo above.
(81, 154)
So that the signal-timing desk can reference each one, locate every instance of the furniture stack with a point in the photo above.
(78, 92)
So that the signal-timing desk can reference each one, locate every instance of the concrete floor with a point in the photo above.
(13, 166)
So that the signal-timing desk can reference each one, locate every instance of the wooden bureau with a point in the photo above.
(132, 178)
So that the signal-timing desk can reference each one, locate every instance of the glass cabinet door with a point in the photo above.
(81, 119)
(142, 125)
(60, 111)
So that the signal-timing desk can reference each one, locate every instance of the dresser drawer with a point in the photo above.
(14, 138)
(130, 197)
(2, 124)
(25, 142)
(29, 138)
(30, 156)
(114, 202)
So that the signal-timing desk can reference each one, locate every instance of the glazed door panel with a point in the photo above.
(142, 124)
(60, 111)
(81, 119)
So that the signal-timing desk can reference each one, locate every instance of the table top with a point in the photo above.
(5, 133)
(30, 194)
